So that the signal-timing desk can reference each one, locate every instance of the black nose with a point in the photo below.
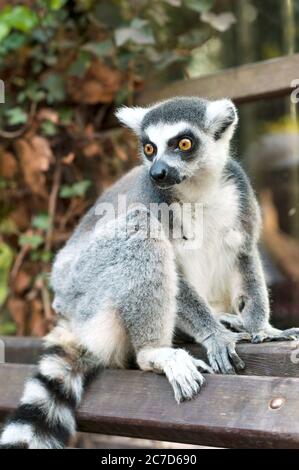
(158, 171)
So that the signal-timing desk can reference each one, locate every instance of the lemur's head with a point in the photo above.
(182, 137)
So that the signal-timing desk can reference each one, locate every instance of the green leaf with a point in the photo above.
(34, 240)
(3, 183)
(4, 30)
(65, 116)
(14, 41)
(16, 116)
(49, 128)
(55, 88)
(199, 5)
(41, 221)
(19, 17)
(8, 328)
(45, 256)
(139, 32)
(81, 64)
(57, 4)
(75, 190)
(99, 49)
(8, 226)
(6, 258)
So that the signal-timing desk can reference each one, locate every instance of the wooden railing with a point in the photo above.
(242, 84)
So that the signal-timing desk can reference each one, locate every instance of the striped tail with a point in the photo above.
(45, 417)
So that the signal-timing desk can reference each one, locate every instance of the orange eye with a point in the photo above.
(185, 144)
(149, 150)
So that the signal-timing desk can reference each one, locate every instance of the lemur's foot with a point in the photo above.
(181, 371)
(221, 351)
(235, 323)
(274, 334)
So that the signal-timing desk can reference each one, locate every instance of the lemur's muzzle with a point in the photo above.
(163, 175)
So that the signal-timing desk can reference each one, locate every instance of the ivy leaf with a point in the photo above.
(81, 64)
(14, 41)
(138, 32)
(4, 30)
(49, 128)
(99, 49)
(199, 5)
(41, 221)
(6, 258)
(16, 116)
(57, 4)
(221, 22)
(66, 116)
(74, 190)
(33, 240)
(19, 17)
(55, 87)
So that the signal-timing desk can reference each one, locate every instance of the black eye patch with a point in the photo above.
(173, 143)
(144, 141)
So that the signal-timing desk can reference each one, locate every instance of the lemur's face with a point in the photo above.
(182, 137)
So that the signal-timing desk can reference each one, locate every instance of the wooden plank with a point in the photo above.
(230, 411)
(280, 359)
(22, 349)
(271, 359)
(242, 84)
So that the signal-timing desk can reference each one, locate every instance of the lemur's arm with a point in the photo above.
(195, 317)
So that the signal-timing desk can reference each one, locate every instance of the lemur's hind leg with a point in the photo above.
(148, 310)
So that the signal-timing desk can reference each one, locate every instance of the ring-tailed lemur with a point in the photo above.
(121, 296)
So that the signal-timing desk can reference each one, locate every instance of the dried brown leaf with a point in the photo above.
(18, 310)
(35, 156)
(92, 149)
(69, 158)
(8, 164)
(21, 282)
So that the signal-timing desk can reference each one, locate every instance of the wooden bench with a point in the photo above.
(258, 409)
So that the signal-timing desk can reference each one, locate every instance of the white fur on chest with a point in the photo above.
(209, 267)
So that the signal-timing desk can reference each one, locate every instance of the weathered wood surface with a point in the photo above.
(279, 359)
(230, 411)
(242, 84)
(22, 349)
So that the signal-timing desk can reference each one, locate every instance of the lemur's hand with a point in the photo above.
(274, 334)
(221, 350)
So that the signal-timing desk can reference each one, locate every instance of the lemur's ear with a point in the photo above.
(221, 119)
(131, 117)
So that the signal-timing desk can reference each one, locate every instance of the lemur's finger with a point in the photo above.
(237, 361)
(213, 363)
(220, 363)
(202, 365)
(227, 367)
(283, 336)
(242, 337)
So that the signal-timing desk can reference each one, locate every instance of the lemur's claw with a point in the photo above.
(202, 366)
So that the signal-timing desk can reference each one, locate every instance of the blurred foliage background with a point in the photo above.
(66, 65)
